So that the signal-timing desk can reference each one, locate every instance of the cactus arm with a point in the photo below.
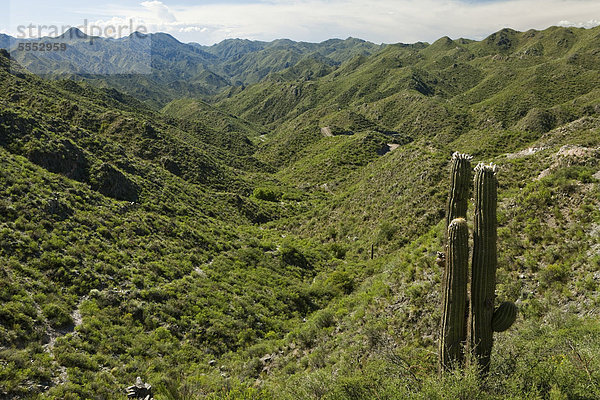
(504, 316)
(453, 326)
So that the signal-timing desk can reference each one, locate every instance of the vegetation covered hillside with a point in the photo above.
(486, 98)
(280, 242)
(157, 68)
(122, 233)
(247, 62)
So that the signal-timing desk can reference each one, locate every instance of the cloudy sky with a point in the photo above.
(388, 21)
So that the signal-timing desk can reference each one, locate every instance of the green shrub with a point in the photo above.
(554, 273)
(266, 194)
(387, 231)
(57, 315)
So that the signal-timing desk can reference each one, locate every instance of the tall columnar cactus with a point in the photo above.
(460, 185)
(483, 320)
(454, 324)
(455, 266)
(485, 261)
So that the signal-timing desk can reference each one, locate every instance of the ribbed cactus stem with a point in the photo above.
(454, 324)
(460, 185)
(483, 278)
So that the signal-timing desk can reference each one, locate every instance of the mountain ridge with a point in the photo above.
(102, 61)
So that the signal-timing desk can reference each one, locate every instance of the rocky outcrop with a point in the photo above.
(111, 182)
(140, 390)
(61, 157)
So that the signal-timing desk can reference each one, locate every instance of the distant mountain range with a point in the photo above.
(166, 69)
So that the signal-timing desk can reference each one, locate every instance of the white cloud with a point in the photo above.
(386, 21)
(588, 24)
(161, 12)
(193, 29)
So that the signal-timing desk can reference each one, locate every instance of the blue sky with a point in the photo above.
(389, 21)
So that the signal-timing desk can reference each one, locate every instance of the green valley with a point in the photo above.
(261, 220)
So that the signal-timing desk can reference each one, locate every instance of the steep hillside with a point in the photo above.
(441, 90)
(4, 41)
(381, 340)
(525, 101)
(154, 68)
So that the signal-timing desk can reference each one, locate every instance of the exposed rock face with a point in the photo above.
(61, 157)
(140, 390)
(111, 182)
(568, 156)
(386, 148)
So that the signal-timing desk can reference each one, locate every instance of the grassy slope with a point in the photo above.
(473, 100)
(447, 88)
(382, 338)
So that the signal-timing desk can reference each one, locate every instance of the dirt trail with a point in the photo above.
(54, 333)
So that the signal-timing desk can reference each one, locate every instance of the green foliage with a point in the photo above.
(266, 194)
(554, 273)
(56, 315)
(387, 230)
(205, 289)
